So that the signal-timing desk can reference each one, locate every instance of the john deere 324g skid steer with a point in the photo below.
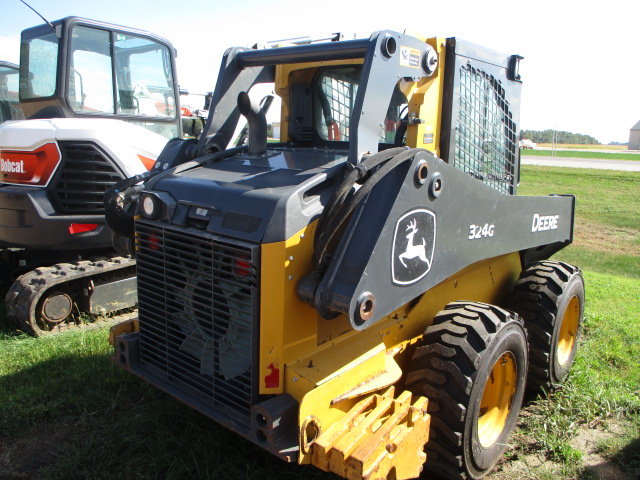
(369, 295)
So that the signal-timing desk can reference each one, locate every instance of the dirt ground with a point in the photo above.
(531, 464)
(23, 458)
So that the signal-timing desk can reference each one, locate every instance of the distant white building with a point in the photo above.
(634, 137)
(276, 130)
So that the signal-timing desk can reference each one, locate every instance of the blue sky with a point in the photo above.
(581, 70)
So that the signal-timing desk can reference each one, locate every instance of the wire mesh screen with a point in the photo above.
(339, 88)
(485, 144)
(198, 310)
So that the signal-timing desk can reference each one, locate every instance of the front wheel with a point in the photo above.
(471, 364)
(549, 296)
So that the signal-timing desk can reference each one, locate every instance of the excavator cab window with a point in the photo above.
(38, 73)
(336, 91)
(143, 72)
(9, 103)
(90, 80)
(144, 84)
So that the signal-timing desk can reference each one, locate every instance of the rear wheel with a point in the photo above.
(549, 296)
(471, 364)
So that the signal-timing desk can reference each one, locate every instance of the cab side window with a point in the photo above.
(335, 94)
(90, 78)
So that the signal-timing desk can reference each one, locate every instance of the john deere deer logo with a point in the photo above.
(413, 251)
(413, 246)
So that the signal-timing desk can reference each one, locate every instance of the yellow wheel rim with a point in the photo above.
(496, 399)
(568, 331)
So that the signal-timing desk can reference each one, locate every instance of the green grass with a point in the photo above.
(607, 235)
(604, 384)
(624, 448)
(609, 196)
(580, 154)
(63, 397)
(66, 412)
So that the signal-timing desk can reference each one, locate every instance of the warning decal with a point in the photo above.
(409, 57)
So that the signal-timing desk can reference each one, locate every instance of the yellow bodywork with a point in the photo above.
(346, 425)
(425, 102)
(324, 364)
(123, 328)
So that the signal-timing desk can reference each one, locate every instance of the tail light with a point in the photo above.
(242, 267)
(75, 228)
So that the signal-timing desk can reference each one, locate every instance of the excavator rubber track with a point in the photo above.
(68, 287)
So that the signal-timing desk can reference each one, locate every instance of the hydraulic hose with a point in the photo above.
(119, 203)
(120, 200)
(345, 199)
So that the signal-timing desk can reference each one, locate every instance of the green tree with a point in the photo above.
(547, 136)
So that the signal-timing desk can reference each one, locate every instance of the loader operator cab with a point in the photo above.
(321, 103)
(84, 68)
(9, 103)
(412, 106)
(327, 116)
(335, 92)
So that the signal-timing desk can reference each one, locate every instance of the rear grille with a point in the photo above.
(84, 176)
(198, 311)
(486, 136)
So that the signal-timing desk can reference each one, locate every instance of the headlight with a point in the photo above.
(148, 206)
(151, 206)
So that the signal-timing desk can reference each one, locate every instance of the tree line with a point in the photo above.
(547, 136)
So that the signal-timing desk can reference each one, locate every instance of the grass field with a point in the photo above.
(601, 400)
(66, 412)
(571, 153)
(575, 146)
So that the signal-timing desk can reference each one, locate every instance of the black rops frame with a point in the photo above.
(242, 68)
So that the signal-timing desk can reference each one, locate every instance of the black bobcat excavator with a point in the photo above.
(369, 295)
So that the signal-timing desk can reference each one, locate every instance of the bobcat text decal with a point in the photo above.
(7, 166)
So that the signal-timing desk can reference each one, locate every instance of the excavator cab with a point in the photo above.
(101, 101)
(80, 68)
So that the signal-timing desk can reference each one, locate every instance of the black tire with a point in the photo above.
(549, 296)
(474, 356)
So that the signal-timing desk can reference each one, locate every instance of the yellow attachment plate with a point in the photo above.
(130, 326)
(378, 435)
